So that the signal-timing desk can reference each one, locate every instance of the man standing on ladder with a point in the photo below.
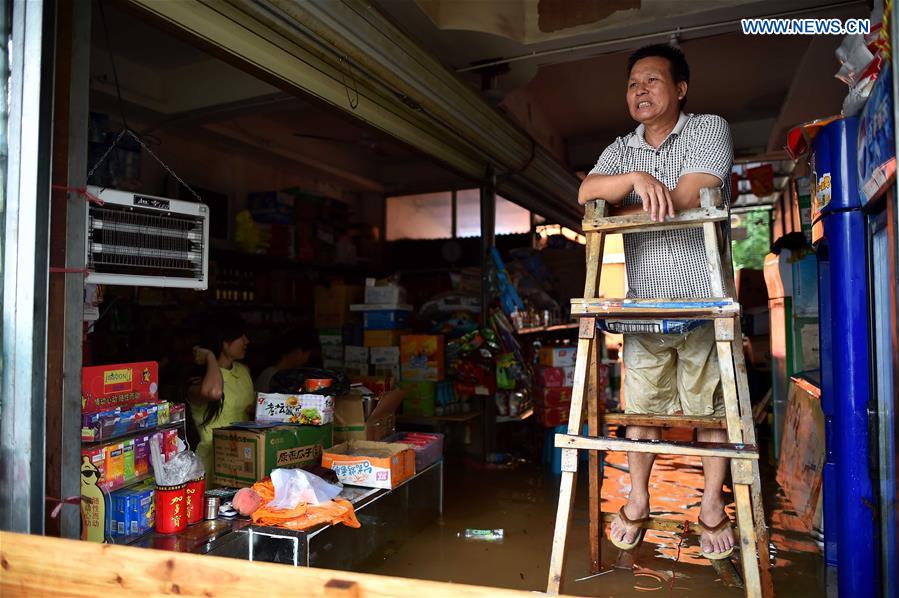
(672, 366)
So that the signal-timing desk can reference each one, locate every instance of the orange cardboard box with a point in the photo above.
(371, 464)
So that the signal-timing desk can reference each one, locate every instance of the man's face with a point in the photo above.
(651, 91)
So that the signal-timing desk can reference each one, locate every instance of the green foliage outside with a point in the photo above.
(751, 251)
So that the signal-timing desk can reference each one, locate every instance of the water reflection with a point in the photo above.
(522, 501)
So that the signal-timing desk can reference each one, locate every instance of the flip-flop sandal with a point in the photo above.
(630, 523)
(715, 532)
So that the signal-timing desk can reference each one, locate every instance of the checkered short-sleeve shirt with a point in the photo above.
(670, 264)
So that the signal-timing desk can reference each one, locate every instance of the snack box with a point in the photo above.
(384, 294)
(428, 447)
(307, 409)
(371, 464)
(105, 387)
(385, 356)
(558, 357)
(355, 355)
(382, 338)
(384, 316)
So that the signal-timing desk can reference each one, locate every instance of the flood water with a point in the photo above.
(522, 501)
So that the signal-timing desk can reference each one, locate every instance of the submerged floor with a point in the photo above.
(522, 501)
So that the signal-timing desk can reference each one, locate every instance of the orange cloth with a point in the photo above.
(303, 516)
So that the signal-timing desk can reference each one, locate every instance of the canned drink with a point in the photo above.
(212, 507)
(314, 384)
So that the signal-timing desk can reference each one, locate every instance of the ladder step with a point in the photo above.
(658, 447)
(635, 220)
(687, 309)
(665, 524)
(664, 421)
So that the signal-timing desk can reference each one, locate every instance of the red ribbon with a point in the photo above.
(72, 500)
(55, 270)
(82, 191)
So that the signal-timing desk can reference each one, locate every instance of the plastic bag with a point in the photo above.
(293, 486)
(183, 467)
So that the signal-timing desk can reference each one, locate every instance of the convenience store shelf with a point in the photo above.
(133, 434)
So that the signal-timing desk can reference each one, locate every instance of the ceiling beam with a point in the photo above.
(349, 56)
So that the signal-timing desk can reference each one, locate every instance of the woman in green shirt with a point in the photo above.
(225, 392)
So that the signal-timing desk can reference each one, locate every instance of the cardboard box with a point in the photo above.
(333, 352)
(371, 464)
(124, 385)
(332, 364)
(332, 304)
(421, 398)
(552, 397)
(350, 422)
(558, 357)
(387, 294)
(246, 455)
(384, 317)
(306, 409)
(385, 356)
(383, 338)
(550, 417)
(422, 357)
(330, 338)
(556, 377)
(355, 355)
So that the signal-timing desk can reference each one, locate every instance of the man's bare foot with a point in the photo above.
(712, 515)
(635, 509)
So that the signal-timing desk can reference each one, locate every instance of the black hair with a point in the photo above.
(680, 70)
(305, 339)
(223, 329)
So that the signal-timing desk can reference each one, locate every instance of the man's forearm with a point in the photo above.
(611, 187)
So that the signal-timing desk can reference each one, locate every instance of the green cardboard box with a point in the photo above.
(245, 455)
(421, 398)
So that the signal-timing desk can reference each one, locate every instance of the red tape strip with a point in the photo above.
(82, 191)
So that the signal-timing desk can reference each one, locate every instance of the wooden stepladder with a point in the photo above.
(741, 448)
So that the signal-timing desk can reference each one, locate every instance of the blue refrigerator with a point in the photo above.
(841, 242)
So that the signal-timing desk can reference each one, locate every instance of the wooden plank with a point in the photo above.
(664, 421)
(664, 524)
(647, 308)
(658, 447)
(594, 483)
(563, 521)
(759, 410)
(748, 544)
(713, 257)
(802, 453)
(45, 566)
(628, 222)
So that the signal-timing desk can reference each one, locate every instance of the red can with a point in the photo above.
(171, 508)
(195, 491)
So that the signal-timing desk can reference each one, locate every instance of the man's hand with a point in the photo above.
(655, 195)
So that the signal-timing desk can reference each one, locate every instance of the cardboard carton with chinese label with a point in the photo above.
(306, 409)
(558, 357)
(371, 464)
(350, 422)
(105, 387)
(422, 357)
(244, 454)
(382, 338)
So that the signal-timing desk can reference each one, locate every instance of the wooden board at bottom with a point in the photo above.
(802, 452)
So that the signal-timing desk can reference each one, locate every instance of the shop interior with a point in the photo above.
(443, 323)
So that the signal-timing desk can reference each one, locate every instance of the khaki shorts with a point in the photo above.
(670, 373)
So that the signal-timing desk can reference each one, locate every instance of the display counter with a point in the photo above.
(385, 515)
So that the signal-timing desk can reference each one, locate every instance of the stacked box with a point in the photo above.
(306, 409)
(383, 338)
(332, 305)
(558, 357)
(421, 398)
(422, 357)
(244, 455)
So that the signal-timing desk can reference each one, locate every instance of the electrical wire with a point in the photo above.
(115, 74)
